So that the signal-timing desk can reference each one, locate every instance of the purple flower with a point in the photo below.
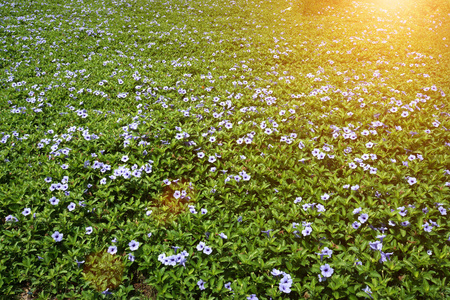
(246, 177)
(131, 257)
(285, 288)
(200, 246)
(176, 249)
(276, 272)
(326, 251)
(267, 232)
(357, 210)
(325, 196)
(79, 262)
(404, 223)
(106, 292)
(11, 218)
(26, 212)
(89, 230)
(381, 237)
(363, 218)
(402, 211)
(412, 180)
(57, 236)
(222, 235)
(307, 231)
(356, 225)
(112, 249)
(427, 227)
(228, 286)
(161, 257)
(133, 245)
(201, 284)
(385, 256)
(252, 297)
(207, 250)
(327, 271)
(71, 206)
(286, 279)
(377, 245)
(192, 209)
(182, 261)
(433, 223)
(368, 291)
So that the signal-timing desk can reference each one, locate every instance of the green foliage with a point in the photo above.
(167, 206)
(103, 271)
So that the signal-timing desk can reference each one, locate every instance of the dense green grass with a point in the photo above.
(224, 149)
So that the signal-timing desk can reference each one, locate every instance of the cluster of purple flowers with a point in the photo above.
(242, 175)
(202, 247)
(11, 218)
(307, 229)
(319, 207)
(378, 246)
(285, 282)
(63, 186)
(174, 259)
(429, 226)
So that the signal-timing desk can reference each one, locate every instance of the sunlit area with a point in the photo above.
(211, 149)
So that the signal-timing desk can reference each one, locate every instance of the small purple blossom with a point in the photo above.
(200, 246)
(133, 245)
(327, 271)
(112, 250)
(207, 250)
(71, 206)
(363, 218)
(57, 236)
(201, 284)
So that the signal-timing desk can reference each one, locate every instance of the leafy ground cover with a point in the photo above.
(224, 149)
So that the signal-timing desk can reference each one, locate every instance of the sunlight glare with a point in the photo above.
(393, 4)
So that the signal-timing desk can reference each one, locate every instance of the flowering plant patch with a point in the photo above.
(224, 149)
